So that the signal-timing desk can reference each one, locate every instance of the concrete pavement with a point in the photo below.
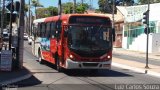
(135, 65)
(137, 61)
(14, 76)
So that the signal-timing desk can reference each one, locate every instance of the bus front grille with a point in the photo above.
(90, 64)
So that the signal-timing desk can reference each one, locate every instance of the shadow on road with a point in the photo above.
(89, 73)
(32, 81)
(99, 73)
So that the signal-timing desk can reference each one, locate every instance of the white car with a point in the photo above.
(29, 40)
(25, 36)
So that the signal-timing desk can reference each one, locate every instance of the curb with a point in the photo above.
(145, 71)
(16, 79)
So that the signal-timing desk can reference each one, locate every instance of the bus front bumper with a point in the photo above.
(70, 64)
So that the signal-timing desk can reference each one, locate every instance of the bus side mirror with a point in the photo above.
(113, 34)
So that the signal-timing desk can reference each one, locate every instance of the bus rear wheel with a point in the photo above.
(58, 67)
(41, 61)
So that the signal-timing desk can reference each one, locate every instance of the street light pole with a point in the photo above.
(147, 36)
(59, 7)
(29, 19)
(74, 6)
(113, 7)
(113, 24)
(20, 36)
(10, 34)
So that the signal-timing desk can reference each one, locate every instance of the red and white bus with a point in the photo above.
(74, 41)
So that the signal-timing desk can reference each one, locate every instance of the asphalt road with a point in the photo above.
(45, 77)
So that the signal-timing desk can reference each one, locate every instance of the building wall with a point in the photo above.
(140, 43)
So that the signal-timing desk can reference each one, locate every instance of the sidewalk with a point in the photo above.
(14, 76)
(154, 70)
(137, 61)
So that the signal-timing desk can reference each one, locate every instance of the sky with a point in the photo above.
(47, 3)
(54, 3)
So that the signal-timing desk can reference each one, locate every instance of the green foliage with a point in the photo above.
(80, 8)
(36, 4)
(104, 6)
(47, 12)
(67, 7)
(151, 1)
(26, 8)
(42, 12)
(53, 11)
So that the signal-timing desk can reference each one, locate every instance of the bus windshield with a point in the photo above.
(89, 39)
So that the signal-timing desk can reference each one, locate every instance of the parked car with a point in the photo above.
(25, 36)
(30, 40)
(5, 36)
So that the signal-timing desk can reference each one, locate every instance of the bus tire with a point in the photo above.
(41, 61)
(58, 67)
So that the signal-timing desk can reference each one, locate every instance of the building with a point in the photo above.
(134, 37)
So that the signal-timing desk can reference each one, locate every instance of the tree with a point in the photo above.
(42, 13)
(53, 11)
(67, 7)
(47, 12)
(151, 1)
(106, 6)
(36, 4)
(80, 8)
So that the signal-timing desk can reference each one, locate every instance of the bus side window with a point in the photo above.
(58, 28)
(43, 30)
(35, 29)
(48, 26)
(53, 30)
(39, 30)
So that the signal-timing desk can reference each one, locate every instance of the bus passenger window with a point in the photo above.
(43, 30)
(48, 25)
(53, 30)
(39, 31)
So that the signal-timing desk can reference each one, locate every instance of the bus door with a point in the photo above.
(53, 42)
(45, 42)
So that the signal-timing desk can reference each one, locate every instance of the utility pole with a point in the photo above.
(113, 7)
(2, 17)
(10, 34)
(113, 29)
(29, 19)
(1, 20)
(74, 6)
(147, 35)
(20, 35)
(59, 7)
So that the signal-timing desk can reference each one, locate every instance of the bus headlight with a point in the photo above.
(71, 56)
(108, 56)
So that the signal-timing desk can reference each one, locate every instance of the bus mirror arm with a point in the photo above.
(113, 34)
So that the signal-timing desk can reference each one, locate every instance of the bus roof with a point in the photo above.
(64, 17)
(39, 20)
